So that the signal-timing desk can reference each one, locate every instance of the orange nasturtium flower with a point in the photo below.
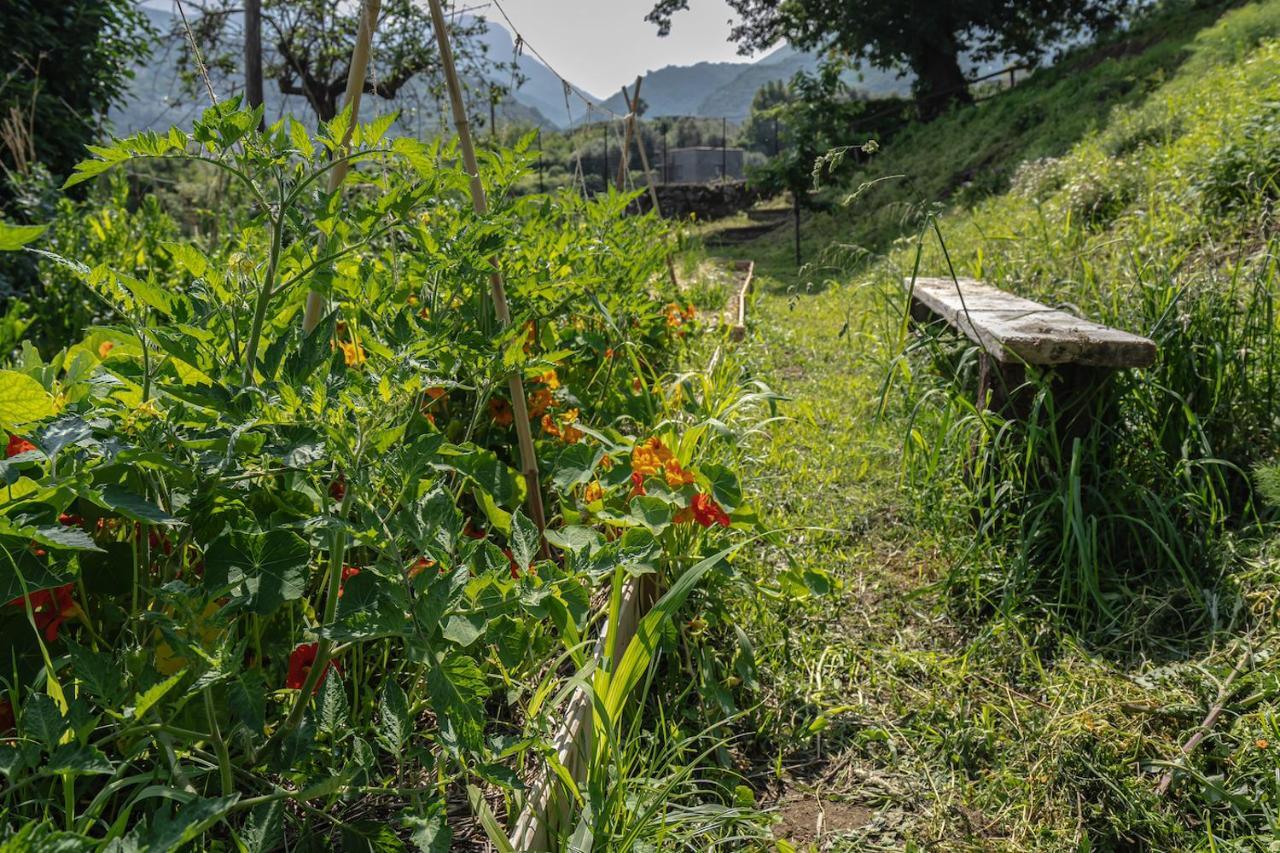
(104, 348)
(435, 392)
(550, 380)
(650, 456)
(570, 434)
(500, 411)
(539, 402)
(353, 354)
(549, 426)
(707, 512)
(594, 492)
(300, 663)
(677, 476)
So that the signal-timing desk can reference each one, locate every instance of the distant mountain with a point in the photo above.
(726, 89)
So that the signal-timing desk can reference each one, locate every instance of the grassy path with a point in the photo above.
(885, 721)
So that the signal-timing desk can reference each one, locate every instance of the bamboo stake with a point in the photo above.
(316, 300)
(515, 383)
(631, 129)
(648, 178)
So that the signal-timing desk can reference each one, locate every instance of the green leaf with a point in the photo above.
(333, 709)
(724, 486)
(652, 512)
(65, 538)
(145, 701)
(575, 464)
(42, 720)
(190, 821)
(430, 831)
(14, 237)
(393, 717)
(458, 690)
(79, 760)
(131, 506)
(272, 567)
(574, 539)
(463, 630)
(22, 399)
(98, 673)
(524, 540)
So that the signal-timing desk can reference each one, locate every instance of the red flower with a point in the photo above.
(70, 520)
(300, 662)
(51, 607)
(347, 572)
(338, 488)
(17, 445)
(7, 722)
(637, 484)
(707, 512)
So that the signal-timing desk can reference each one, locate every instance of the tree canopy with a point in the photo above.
(64, 65)
(307, 47)
(924, 36)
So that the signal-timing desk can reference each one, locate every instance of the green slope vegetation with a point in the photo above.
(1022, 633)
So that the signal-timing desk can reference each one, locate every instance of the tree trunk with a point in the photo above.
(940, 82)
(253, 53)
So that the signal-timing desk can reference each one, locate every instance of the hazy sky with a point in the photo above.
(602, 44)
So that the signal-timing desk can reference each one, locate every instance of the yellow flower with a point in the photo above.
(594, 492)
(550, 380)
(353, 354)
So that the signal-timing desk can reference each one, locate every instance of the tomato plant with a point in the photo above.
(257, 577)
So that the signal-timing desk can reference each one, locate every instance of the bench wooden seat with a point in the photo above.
(1015, 333)
(1014, 330)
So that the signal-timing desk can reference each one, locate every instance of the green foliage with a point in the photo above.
(274, 574)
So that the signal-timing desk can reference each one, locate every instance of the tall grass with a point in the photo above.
(1161, 224)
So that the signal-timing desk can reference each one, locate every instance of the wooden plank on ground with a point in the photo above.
(1017, 330)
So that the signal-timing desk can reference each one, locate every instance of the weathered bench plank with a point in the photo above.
(1014, 330)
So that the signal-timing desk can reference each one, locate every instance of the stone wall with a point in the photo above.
(705, 201)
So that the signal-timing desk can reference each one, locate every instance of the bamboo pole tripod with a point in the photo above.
(498, 291)
(316, 301)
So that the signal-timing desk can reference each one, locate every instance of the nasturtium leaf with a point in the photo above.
(393, 717)
(724, 486)
(272, 566)
(429, 830)
(574, 539)
(575, 464)
(131, 506)
(22, 399)
(524, 540)
(458, 690)
(486, 470)
(653, 512)
(14, 237)
(463, 630)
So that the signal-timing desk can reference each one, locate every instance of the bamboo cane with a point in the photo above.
(648, 179)
(355, 87)
(528, 457)
(631, 129)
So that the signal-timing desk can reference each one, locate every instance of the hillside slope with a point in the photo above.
(1020, 637)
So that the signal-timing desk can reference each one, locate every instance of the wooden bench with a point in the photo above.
(1014, 333)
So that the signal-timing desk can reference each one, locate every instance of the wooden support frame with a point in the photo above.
(498, 291)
